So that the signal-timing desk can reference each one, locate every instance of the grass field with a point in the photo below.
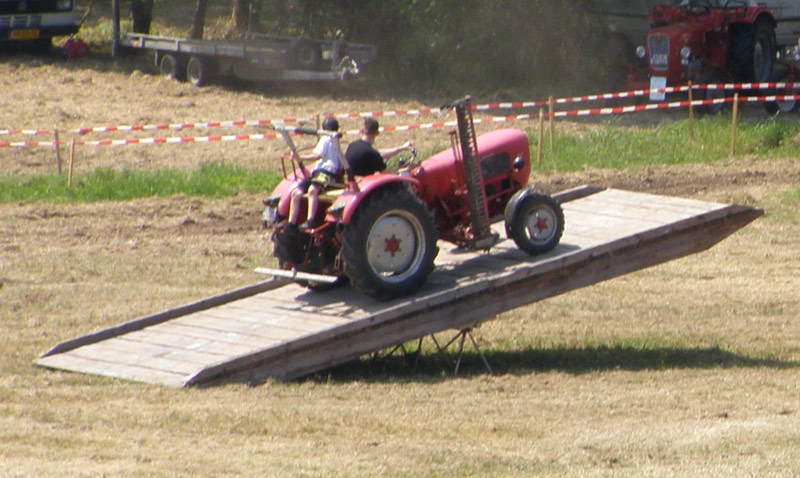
(688, 369)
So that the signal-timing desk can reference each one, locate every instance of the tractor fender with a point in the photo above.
(511, 206)
(349, 203)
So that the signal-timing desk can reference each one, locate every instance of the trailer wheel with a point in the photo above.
(200, 70)
(389, 246)
(172, 67)
(304, 54)
(537, 223)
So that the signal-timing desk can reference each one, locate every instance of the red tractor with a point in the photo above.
(380, 231)
(706, 42)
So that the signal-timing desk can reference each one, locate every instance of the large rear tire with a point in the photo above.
(389, 246)
(751, 57)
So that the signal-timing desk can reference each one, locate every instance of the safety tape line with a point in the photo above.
(155, 127)
(438, 124)
(421, 111)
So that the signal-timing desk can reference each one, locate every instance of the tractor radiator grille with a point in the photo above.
(658, 46)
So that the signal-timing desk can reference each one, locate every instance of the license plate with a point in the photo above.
(26, 34)
(657, 82)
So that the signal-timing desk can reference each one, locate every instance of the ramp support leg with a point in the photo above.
(461, 338)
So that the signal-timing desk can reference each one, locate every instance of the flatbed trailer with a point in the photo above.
(253, 57)
(279, 329)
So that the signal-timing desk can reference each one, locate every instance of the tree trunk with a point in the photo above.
(199, 20)
(240, 14)
(142, 12)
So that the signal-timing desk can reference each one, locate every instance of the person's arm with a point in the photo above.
(388, 153)
(307, 158)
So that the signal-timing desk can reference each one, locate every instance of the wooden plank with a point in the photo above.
(157, 318)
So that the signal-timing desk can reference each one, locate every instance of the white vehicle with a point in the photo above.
(36, 22)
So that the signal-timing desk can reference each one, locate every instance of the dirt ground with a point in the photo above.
(685, 369)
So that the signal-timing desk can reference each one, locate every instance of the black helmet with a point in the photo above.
(330, 124)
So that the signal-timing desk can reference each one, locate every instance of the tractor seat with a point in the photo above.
(331, 193)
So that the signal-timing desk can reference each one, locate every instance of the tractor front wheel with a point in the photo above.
(537, 223)
(389, 246)
(711, 77)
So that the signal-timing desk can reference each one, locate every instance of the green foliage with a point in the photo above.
(105, 184)
(610, 146)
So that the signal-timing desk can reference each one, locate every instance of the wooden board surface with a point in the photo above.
(286, 331)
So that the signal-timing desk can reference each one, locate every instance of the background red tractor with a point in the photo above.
(381, 231)
(706, 42)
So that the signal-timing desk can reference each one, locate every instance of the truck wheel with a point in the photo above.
(782, 107)
(537, 223)
(199, 70)
(711, 77)
(752, 52)
(172, 67)
(304, 54)
(389, 246)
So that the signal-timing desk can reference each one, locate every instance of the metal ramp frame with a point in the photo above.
(277, 329)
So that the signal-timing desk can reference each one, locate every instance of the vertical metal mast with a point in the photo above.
(483, 237)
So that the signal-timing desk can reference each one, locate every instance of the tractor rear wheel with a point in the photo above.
(751, 55)
(389, 245)
(537, 223)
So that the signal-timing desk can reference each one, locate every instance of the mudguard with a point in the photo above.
(345, 206)
(511, 207)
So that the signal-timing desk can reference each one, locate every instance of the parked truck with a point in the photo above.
(36, 22)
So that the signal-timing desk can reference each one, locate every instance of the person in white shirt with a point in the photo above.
(326, 170)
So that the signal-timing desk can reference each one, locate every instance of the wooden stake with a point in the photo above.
(691, 112)
(71, 163)
(734, 121)
(58, 149)
(552, 118)
(541, 137)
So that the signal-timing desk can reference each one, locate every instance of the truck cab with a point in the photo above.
(36, 22)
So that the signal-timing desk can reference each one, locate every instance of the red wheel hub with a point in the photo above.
(392, 245)
(541, 224)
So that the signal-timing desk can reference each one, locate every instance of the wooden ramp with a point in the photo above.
(284, 331)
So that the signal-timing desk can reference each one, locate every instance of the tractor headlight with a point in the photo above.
(641, 51)
(64, 4)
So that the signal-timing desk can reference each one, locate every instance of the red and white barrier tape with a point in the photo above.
(390, 113)
(438, 124)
